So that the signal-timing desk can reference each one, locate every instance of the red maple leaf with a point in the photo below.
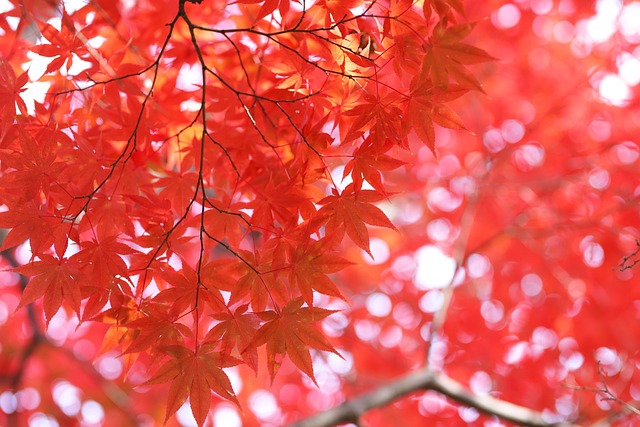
(381, 115)
(242, 279)
(446, 57)
(55, 280)
(158, 328)
(29, 222)
(10, 89)
(179, 188)
(367, 163)
(186, 290)
(350, 211)
(309, 269)
(291, 332)
(426, 107)
(194, 375)
(236, 331)
(63, 44)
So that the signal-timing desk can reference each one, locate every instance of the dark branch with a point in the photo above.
(352, 409)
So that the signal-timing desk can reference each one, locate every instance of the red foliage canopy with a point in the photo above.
(273, 207)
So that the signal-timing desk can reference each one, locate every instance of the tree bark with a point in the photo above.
(352, 409)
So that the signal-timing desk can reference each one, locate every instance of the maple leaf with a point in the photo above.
(349, 212)
(336, 10)
(309, 269)
(446, 56)
(293, 72)
(30, 222)
(230, 223)
(277, 203)
(109, 214)
(186, 292)
(123, 310)
(10, 89)
(179, 189)
(55, 280)
(159, 328)
(101, 291)
(381, 116)
(63, 44)
(268, 7)
(271, 5)
(291, 332)
(236, 331)
(426, 106)
(242, 279)
(367, 163)
(34, 164)
(444, 8)
(153, 213)
(194, 375)
(103, 258)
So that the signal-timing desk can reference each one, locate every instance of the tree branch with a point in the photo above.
(352, 409)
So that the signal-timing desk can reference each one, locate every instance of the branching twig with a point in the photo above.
(629, 261)
(605, 392)
(423, 380)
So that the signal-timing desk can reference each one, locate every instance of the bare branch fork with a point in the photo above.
(605, 392)
(353, 409)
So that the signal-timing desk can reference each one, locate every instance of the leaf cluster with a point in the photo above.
(195, 212)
